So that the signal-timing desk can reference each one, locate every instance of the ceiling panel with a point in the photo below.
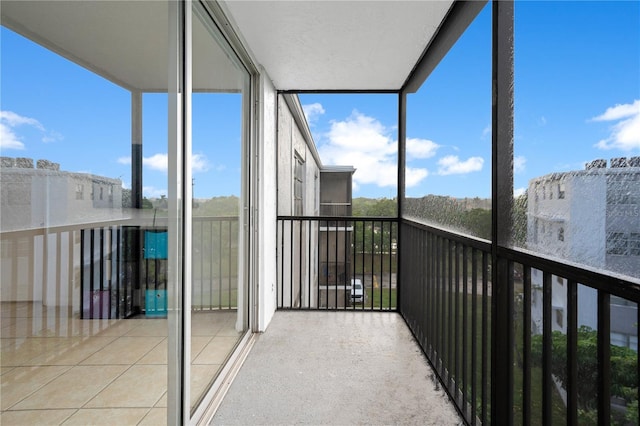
(124, 42)
(303, 45)
(338, 45)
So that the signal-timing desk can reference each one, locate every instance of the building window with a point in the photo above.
(101, 193)
(79, 191)
(561, 234)
(619, 196)
(298, 186)
(560, 318)
(634, 244)
(561, 191)
(616, 243)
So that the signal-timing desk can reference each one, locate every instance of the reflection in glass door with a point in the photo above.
(218, 248)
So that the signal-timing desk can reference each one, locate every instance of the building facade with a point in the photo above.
(44, 195)
(588, 217)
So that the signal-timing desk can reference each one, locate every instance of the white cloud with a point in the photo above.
(157, 162)
(421, 148)
(312, 112)
(199, 163)
(362, 133)
(9, 120)
(542, 121)
(412, 176)
(365, 143)
(8, 139)
(14, 120)
(519, 164)
(519, 191)
(625, 134)
(52, 136)
(619, 111)
(451, 165)
(486, 131)
(160, 162)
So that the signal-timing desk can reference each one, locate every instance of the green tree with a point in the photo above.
(218, 206)
(378, 207)
(374, 236)
(126, 198)
(624, 374)
(477, 222)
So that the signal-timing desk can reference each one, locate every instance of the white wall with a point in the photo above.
(267, 204)
(294, 138)
(587, 237)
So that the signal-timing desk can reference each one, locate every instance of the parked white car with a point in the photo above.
(357, 290)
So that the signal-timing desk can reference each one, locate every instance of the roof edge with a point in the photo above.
(293, 102)
(460, 16)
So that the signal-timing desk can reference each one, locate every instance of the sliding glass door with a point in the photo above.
(217, 173)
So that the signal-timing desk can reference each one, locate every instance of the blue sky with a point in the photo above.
(53, 109)
(577, 98)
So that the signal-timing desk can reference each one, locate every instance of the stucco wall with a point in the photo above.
(291, 141)
(267, 204)
(294, 141)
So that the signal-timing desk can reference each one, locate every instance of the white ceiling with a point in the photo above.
(303, 45)
(125, 42)
(338, 45)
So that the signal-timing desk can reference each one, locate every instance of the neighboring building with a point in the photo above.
(589, 217)
(44, 197)
(336, 191)
(335, 236)
(298, 172)
(308, 188)
(34, 197)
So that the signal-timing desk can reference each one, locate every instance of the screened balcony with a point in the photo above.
(512, 296)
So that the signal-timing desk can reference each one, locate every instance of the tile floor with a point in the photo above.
(59, 369)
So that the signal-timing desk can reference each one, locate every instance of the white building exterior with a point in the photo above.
(35, 197)
(589, 217)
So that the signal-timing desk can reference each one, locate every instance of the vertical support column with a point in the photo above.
(502, 203)
(604, 358)
(402, 149)
(136, 191)
(136, 150)
(572, 353)
(136, 188)
(547, 349)
(178, 405)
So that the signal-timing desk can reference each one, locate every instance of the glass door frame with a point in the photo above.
(180, 204)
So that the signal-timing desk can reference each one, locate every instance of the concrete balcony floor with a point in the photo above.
(336, 368)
